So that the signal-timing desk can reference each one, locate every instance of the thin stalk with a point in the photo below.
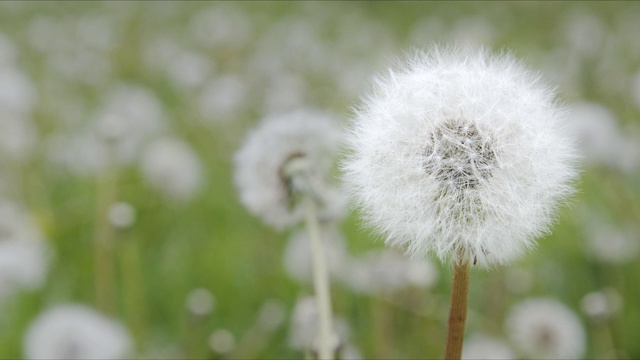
(458, 310)
(104, 243)
(320, 280)
(135, 297)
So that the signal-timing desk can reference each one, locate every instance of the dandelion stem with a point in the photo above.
(458, 310)
(320, 280)
(104, 243)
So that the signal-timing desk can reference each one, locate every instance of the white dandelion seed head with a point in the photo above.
(24, 255)
(599, 135)
(543, 328)
(272, 315)
(481, 346)
(222, 341)
(298, 259)
(121, 215)
(76, 332)
(188, 70)
(17, 91)
(601, 305)
(460, 152)
(200, 302)
(608, 243)
(19, 136)
(223, 98)
(172, 167)
(307, 134)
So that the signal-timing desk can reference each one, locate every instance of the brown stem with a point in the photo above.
(458, 310)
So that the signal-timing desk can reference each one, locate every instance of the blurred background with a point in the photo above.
(118, 125)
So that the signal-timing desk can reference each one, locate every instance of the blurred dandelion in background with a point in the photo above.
(76, 332)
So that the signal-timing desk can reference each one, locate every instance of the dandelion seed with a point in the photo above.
(544, 328)
(76, 332)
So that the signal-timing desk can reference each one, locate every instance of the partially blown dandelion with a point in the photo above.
(460, 153)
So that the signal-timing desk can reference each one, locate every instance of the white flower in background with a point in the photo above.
(259, 164)
(200, 302)
(188, 70)
(385, 271)
(8, 51)
(460, 153)
(18, 137)
(601, 305)
(24, 255)
(272, 315)
(129, 117)
(585, 33)
(481, 346)
(76, 332)
(543, 328)
(221, 26)
(297, 254)
(17, 92)
(222, 341)
(600, 138)
(172, 167)
(222, 98)
(609, 244)
(160, 51)
(121, 215)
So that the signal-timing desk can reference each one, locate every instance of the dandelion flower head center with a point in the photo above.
(459, 155)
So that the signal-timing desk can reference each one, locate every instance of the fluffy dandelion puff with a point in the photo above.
(76, 332)
(546, 329)
(304, 134)
(173, 167)
(460, 152)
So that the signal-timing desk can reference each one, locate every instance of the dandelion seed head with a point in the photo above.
(172, 167)
(121, 215)
(460, 153)
(24, 255)
(304, 134)
(76, 332)
(200, 302)
(222, 341)
(544, 328)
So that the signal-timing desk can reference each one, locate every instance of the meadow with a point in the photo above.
(119, 125)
